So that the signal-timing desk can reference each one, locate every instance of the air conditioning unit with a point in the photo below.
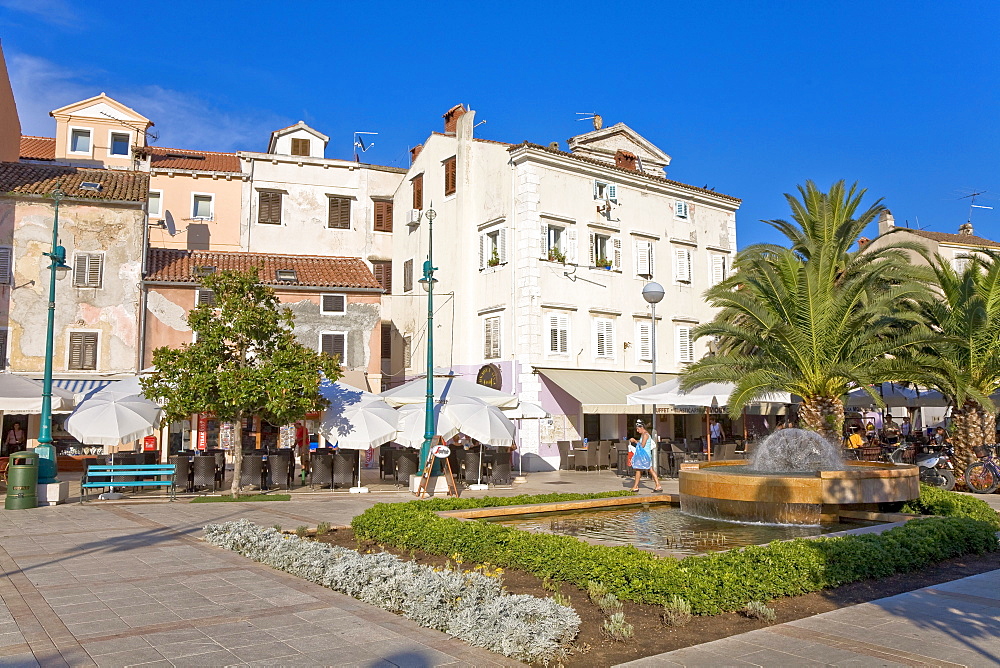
(413, 217)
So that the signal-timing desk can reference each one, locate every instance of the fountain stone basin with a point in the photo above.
(730, 490)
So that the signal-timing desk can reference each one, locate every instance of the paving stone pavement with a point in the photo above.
(948, 625)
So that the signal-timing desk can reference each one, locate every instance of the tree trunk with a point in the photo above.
(824, 415)
(237, 454)
(967, 427)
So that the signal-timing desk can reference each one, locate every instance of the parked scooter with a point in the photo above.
(935, 466)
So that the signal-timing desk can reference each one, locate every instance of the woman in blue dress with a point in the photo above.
(641, 450)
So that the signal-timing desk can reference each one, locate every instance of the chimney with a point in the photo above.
(415, 151)
(626, 160)
(886, 223)
(965, 229)
(451, 118)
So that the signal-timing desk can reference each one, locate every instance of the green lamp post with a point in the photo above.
(47, 467)
(428, 282)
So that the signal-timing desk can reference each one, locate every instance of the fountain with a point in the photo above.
(794, 476)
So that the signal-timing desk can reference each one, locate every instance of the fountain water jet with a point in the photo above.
(796, 450)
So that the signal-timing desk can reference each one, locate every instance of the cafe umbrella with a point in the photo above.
(360, 425)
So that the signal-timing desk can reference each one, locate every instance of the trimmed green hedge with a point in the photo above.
(715, 583)
(936, 501)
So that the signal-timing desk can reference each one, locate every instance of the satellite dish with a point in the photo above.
(168, 224)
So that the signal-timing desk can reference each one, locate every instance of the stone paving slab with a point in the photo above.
(948, 625)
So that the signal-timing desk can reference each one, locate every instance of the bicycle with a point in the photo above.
(983, 477)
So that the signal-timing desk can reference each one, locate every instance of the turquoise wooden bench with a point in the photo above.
(103, 477)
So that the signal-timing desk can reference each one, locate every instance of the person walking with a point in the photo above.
(641, 451)
(15, 439)
(717, 432)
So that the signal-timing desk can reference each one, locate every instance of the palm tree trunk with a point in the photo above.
(237, 454)
(967, 427)
(824, 415)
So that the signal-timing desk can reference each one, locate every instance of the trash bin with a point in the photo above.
(22, 481)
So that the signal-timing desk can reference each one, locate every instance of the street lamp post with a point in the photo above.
(428, 282)
(47, 466)
(653, 294)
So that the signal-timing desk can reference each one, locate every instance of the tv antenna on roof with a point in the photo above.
(151, 137)
(972, 203)
(591, 116)
(359, 143)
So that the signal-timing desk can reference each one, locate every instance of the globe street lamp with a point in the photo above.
(428, 282)
(653, 294)
(47, 466)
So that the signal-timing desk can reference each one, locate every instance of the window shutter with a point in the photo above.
(300, 146)
(616, 261)
(407, 275)
(418, 192)
(449, 176)
(642, 258)
(340, 213)
(681, 209)
(383, 274)
(605, 338)
(80, 270)
(386, 340)
(83, 351)
(491, 338)
(682, 265)
(597, 189)
(545, 242)
(571, 246)
(95, 266)
(407, 351)
(502, 242)
(383, 215)
(593, 249)
(482, 250)
(206, 297)
(685, 346)
(5, 267)
(334, 303)
(333, 345)
(645, 341)
(718, 269)
(88, 270)
(558, 334)
(269, 208)
(613, 192)
(3, 348)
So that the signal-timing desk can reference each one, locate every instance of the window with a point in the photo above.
(605, 251)
(269, 207)
(407, 355)
(681, 209)
(83, 351)
(644, 259)
(386, 340)
(604, 338)
(204, 296)
(407, 275)
(558, 334)
(383, 274)
(959, 263)
(155, 203)
(202, 270)
(682, 265)
(449, 176)
(286, 275)
(88, 270)
(300, 147)
(558, 244)
(605, 191)
(340, 213)
(491, 338)
(119, 143)
(383, 215)
(202, 206)
(79, 141)
(718, 269)
(643, 341)
(685, 344)
(418, 191)
(333, 344)
(333, 304)
(3, 348)
(493, 248)
(6, 265)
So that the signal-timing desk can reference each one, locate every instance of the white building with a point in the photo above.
(542, 256)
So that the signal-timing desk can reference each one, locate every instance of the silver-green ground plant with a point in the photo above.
(761, 611)
(616, 628)
(676, 611)
(467, 605)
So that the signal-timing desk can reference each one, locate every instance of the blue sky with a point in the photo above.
(749, 98)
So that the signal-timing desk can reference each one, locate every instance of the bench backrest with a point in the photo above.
(148, 469)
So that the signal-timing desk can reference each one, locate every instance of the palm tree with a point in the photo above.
(816, 319)
(965, 311)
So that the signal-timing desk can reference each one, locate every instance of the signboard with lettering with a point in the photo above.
(149, 444)
(227, 431)
(202, 431)
(489, 376)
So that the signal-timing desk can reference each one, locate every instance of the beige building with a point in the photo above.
(542, 256)
(952, 247)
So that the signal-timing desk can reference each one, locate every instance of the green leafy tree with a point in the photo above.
(245, 361)
(965, 310)
(818, 318)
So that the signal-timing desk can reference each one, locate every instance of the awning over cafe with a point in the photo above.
(601, 391)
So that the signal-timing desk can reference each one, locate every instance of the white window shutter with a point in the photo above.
(616, 262)
(571, 246)
(502, 242)
(558, 330)
(482, 251)
(596, 190)
(687, 265)
(642, 258)
(563, 334)
(685, 346)
(95, 265)
(545, 241)
(613, 192)
(682, 265)
(5, 267)
(645, 336)
(718, 269)
(593, 253)
(652, 260)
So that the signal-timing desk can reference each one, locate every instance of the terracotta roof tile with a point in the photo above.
(651, 177)
(178, 266)
(200, 161)
(27, 179)
(964, 239)
(38, 148)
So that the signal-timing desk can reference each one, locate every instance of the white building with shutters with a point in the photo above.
(542, 254)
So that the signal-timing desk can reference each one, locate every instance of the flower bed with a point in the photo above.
(712, 583)
(470, 606)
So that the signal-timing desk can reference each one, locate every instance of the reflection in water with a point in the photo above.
(662, 527)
